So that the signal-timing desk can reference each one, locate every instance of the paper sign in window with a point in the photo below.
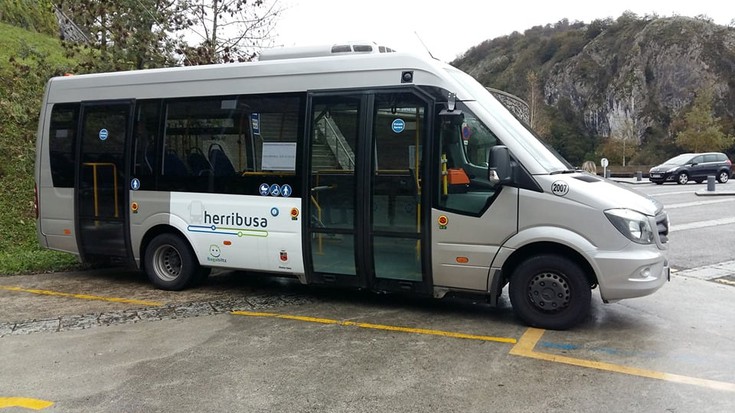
(279, 156)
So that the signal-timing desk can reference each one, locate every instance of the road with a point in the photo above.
(106, 341)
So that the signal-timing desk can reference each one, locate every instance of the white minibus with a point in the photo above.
(369, 169)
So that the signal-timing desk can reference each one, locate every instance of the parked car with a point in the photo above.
(692, 167)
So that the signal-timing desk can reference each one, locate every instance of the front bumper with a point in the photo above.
(661, 177)
(633, 272)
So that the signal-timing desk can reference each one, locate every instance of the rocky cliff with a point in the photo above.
(616, 73)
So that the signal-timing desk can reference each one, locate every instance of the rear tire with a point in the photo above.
(723, 176)
(550, 291)
(682, 178)
(170, 263)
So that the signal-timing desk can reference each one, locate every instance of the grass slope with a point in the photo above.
(27, 60)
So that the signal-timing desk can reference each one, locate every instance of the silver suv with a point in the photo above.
(692, 167)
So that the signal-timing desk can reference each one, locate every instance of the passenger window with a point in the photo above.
(144, 139)
(465, 145)
(697, 159)
(62, 135)
(231, 135)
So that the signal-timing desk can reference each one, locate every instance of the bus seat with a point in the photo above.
(173, 166)
(221, 164)
(198, 163)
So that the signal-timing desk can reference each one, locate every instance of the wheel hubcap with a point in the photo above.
(549, 292)
(168, 263)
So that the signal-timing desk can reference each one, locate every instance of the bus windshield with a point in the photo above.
(523, 135)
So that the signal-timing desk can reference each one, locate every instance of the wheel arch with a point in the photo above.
(547, 247)
(155, 231)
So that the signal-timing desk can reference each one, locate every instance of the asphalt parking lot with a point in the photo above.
(107, 341)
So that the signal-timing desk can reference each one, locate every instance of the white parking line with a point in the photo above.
(670, 193)
(698, 203)
(702, 224)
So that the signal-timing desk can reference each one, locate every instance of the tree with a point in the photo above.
(702, 131)
(124, 34)
(228, 30)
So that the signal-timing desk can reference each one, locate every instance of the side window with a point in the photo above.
(697, 159)
(229, 138)
(144, 140)
(710, 158)
(399, 125)
(465, 143)
(62, 134)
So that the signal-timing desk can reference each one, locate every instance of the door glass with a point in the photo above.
(465, 144)
(398, 141)
(335, 125)
(101, 188)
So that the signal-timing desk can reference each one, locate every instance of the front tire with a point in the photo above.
(170, 263)
(723, 176)
(682, 178)
(550, 291)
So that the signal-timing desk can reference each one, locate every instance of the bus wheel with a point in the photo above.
(550, 291)
(170, 264)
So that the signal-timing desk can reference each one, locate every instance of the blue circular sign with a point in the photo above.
(264, 189)
(135, 184)
(103, 134)
(398, 125)
(286, 190)
(275, 190)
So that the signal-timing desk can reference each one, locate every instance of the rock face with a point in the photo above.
(630, 73)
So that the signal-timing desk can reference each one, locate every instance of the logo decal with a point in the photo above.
(214, 254)
(398, 125)
(559, 188)
(443, 221)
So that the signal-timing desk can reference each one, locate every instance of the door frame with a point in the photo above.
(123, 202)
(364, 169)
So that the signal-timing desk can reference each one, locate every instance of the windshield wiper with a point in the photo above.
(563, 171)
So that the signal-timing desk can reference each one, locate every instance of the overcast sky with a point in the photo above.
(450, 27)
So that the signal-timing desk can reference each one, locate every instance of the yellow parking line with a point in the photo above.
(724, 281)
(379, 327)
(528, 341)
(81, 296)
(34, 404)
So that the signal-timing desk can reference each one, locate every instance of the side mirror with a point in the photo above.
(499, 171)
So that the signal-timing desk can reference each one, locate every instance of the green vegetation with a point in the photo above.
(702, 131)
(620, 88)
(27, 60)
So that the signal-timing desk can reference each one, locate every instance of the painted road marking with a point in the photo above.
(24, 402)
(379, 327)
(724, 281)
(702, 224)
(81, 296)
(524, 347)
(698, 203)
(527, 343)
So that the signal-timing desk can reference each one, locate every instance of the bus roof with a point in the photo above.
(340, 71)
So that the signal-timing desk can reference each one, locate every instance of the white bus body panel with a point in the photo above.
(463, 249)
(577, 220)
(260, 233)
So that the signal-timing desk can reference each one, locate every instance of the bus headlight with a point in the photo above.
(634, 225)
